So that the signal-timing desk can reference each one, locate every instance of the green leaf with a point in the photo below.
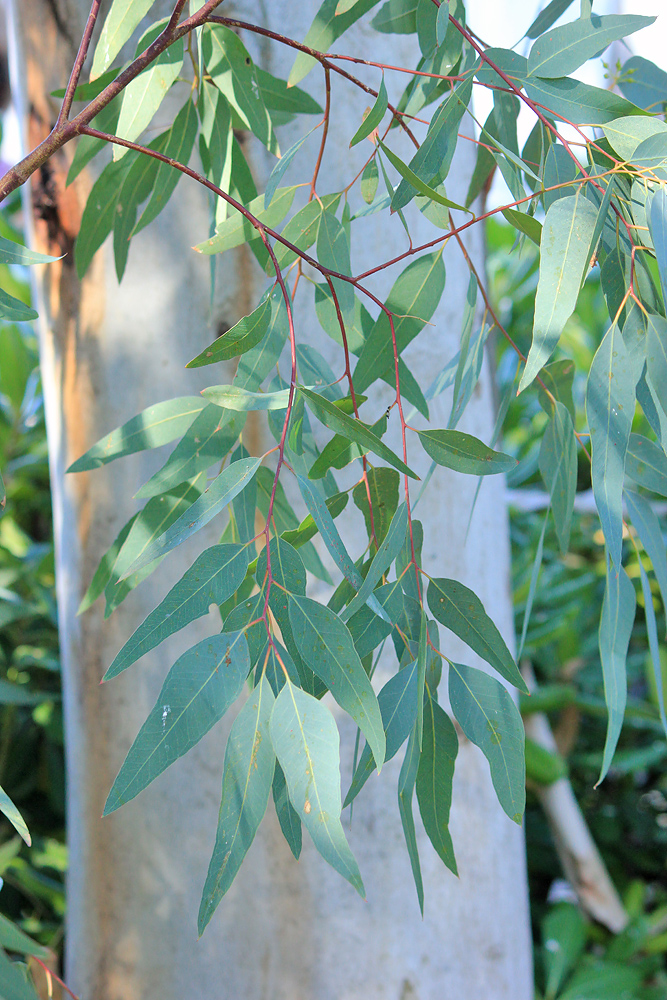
(254, 366)
(546, 17)
(643, 83)
(290, 823)
(383, 486)
(397, 17)
(464, 453)
(656, 357)
(13, 310)
(564, 49)
(137, 186)
(412, 300)
(564, 259)
(657, 223)
(180, 141)
(460, 610)
(373, 118)
(14, 253)
(558, 377)
(369, 181)
(200, 687)
(119, 25)
(237, 230)
(406, 787)
(646, 464)
(278, 97)
(398, 707)
(308, 528)
(99, 215)
(626, 134)
(647, 525)
(534, 576)
(9, 810)
(610, 404)
(303, 227)
(490, 719)
(224, 488)
(327, 26)
(13, 984)
(333, 252)
(281, 166)
(15, 940)
(246, 782)
(440, 746)
(558, 466)
(212, 579)
(383, 559)
(524, 224)
(617, 619)
(154, 426)
(232, 397)
(604, 980)
(306, 741)
(563, 939)
(325, 644)
(420, 186)
(573, 101)
(143, 96)
(243, 336)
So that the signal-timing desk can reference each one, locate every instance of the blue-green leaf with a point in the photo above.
(233, 397)
(646, 464)
(440, 746)
(13, 983)
(119, 25)
(327, 26)
(290, 823)
(618, 615)
(382, 560)
(558, 466)
(561, 51)
(306, 741)
(546, 17)
(237, 230)
(647, 525)
(406, 787)
(14, 253)
(573, 101)
(490, 719)
(373, 118)
(9, 810)
(200, 687)
(243, 336)
(281, 166)
(246, 782)
(464, 453)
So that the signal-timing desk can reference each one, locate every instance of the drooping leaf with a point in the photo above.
(200, 687)
(416, 183)
(369, 182)
(397, 17)
(464, 453)
(564, 259)
(280, 99)
(254, 366)
(616, 621)
(233, 397)
(647, 525)
(290, 823)
(646, 464)
(534, 576)
(308, 528)
(383, 486)
(327, 26)
(137, 186)
(14, 253)
(326, 646)
(281, 166)
(546, 17)
(386, 554)
(306, 741)
(573, 101)
(490, 719)
(237, 229)
(212, 579)
(154, 426)
(562, 50)
(99, 215)
(610, 403)
(643, 83)
(13, 983)
(119, 25)
(179, 147)
(374, 116)
(246, 783)
(406, 786)
(440, 746)
(459, 609)
(333, 252)
(302, 229)
(558, 466)
(657, 223)
(243, 336)
(8, 809)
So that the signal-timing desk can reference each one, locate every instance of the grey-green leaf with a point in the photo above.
(119, 25)
(384, 557)
(558, 466)
(440, 746)
(9, 810)
(290, 823)
(646, 464)
(559, 52)
(406, 787)
(618, 615)
(374, 116)
(464, 453)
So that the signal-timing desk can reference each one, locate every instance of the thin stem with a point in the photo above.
(48, 972)
(325, 132)
(73, 81)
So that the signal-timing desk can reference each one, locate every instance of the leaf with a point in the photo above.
(236, 230)
(653, 644)
(610, 404)
(564, 259)
(464, 453)
(13, 310)
(144, 94)
(232, 397)
(334, 418)
(14, 253)
(626, 134)
(406, 787)
(490, 719)
(565, 48)
(558, 377)
(243, 336)
(9, 810)
(290, 823)
(333, 252)
(397, 17)
(383, 488)
(646, 463)
(213, 577)
(385, 556)
(13, 984)
(154, 426)
(647, 525)
(374, 116)
(327, 26)
(119, 25)
(657, 223)
(325, 644)
(200, 687)
(440, 746)
(278, 97)
(460, 610)
(369, 181)
(303, 227)
(15, 940)
(281, 166)
(306, 741)
(179, 147)
(137, 186)
(308, 528)
(616, 621)
(246, 782)
(224, 488)
(254, 366)
(524, 224)
(546, 17)
(99, 215)
(534, 576)
(643, 83)
(420, 186)
(558, 467)
(564, 939)
(573, 101)
(413, 299)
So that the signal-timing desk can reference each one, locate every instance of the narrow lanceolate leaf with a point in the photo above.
(564, 259)
(290, 823)
(547, 17)
(15, 940)
(383, 487)
(560, 51)
(354, 430)
(382, 560)
(618, 615)
(325, 644)
(440, 746)
(406, 787)
(374, 116)
(14, 253)
(9, 810)
(198, 690)
(459, 609)
(151, 428)
(653, 643)
(398, 706)
(419, 186)
(306, 741)
(143, 96)
(656, 351)
(118, 27)
(333, 252)
(464, 453)
(490, 719)
(233, 397)
(646, 464)
(99, 215)
(246, 783)
(212, 579)
(610, 405)
(573, 101)
(237, 229)
(281, 166)
(327, 26)
(224, 488)
(13, 982)
(179, 147)
(647, 525)
(558, 465)
(15, 311)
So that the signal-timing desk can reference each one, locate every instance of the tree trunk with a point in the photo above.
(288, 931)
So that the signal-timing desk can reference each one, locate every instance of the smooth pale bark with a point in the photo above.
(288, 931)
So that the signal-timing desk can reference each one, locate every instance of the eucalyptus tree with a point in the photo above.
(362, 549)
